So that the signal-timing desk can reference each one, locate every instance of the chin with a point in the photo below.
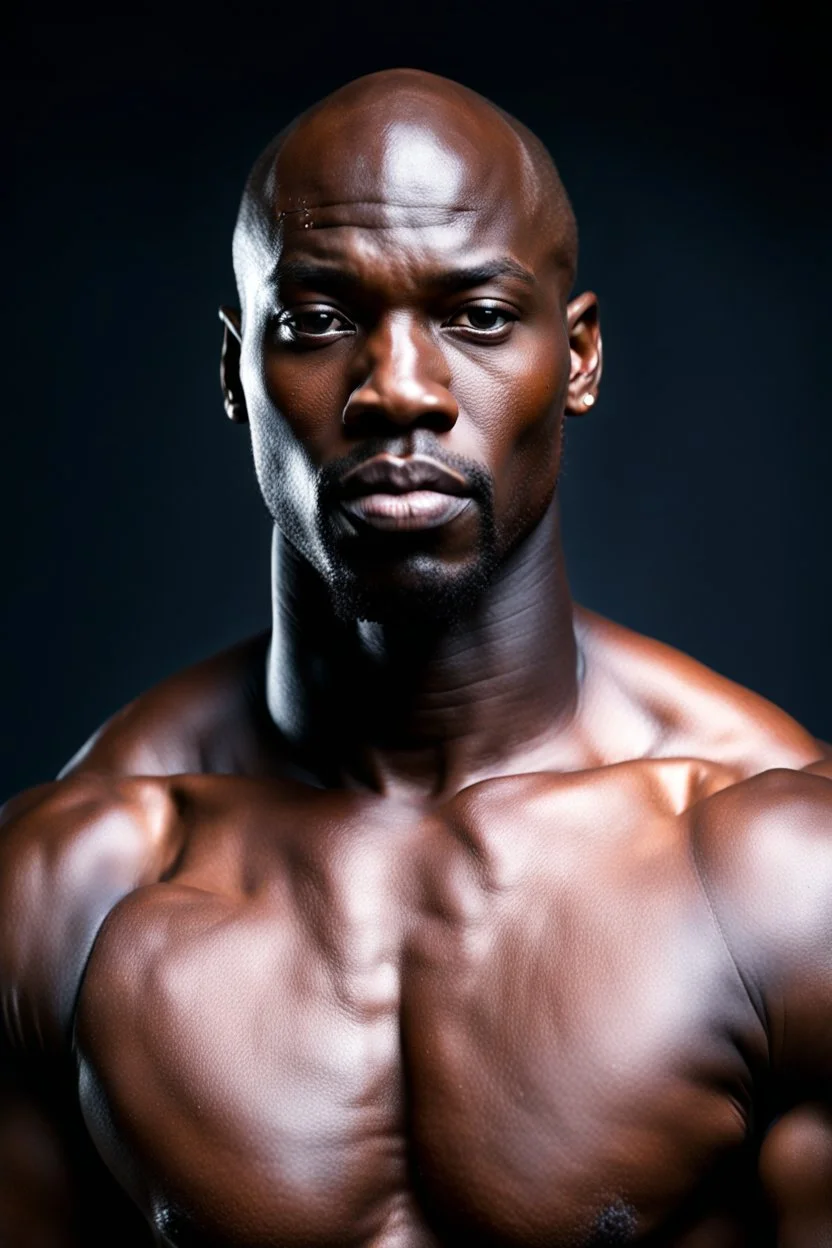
(422, 594)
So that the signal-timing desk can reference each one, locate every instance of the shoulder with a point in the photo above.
(763, 850)
(203, 718)
(69, 851)
(770, 836)
(667, 704)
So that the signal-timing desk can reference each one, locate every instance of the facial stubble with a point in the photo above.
(405, 579)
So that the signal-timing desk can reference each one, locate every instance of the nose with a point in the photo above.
(406, 380)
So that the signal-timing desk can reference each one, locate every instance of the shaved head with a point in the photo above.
(405, 120)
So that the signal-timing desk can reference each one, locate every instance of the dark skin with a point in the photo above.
(480, 921)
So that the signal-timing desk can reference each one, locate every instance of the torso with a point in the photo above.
(506, 1017)
(344, 1020)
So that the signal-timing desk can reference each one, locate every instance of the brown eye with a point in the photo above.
(482, 319)
(486, 318)
(316, 323)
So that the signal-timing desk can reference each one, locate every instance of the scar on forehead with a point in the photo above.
(302, 211)
(429, 214)
(306, 210)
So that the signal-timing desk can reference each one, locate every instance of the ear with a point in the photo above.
(585, 353)
(232, 390)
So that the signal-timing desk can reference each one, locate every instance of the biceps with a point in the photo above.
(796, 1171)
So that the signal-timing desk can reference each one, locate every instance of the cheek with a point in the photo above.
(515, 410)
(290, 407)
(308, 394)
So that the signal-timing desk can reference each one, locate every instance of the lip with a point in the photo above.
(390, 474)
(403, 495)
(406, 512)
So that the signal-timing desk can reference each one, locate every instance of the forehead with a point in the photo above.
(422, 181)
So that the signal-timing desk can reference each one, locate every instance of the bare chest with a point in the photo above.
(416, 1033)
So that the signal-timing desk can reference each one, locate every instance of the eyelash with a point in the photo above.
(286, 322)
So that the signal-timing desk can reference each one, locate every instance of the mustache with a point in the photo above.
(478, 480)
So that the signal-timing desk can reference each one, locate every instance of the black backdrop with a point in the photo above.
(694, 140)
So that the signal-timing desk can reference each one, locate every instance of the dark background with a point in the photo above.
(694, 141)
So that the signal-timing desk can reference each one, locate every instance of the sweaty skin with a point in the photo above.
(447, 912)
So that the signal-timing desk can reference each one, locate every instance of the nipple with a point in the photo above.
(616, 1224)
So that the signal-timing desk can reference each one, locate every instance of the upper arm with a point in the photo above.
(69, 851)
(764, 850)
(765, 856)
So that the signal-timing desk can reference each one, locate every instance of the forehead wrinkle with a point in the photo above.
(433, 256)
(303, 270)
(371, 257)
(334, 262)
(291, 202)
(380, 226)
(488, 190)
(517, 170)
(382, 216)
(449, 162)
(488, 210)
(368, 203)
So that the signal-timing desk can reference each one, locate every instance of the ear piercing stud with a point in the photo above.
(234, 411)
(588, 400)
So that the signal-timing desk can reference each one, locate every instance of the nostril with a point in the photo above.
(408, 404)
(365, 420)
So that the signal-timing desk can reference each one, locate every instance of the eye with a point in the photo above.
(482, 319)
(313, 323)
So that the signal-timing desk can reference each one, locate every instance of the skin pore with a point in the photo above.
(413, 302)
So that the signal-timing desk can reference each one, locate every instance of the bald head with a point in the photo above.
(402, 139)
(404, 255)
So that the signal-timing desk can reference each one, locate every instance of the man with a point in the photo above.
(449, 912)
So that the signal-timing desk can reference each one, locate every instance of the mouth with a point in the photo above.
(407, 512)
(405, 495)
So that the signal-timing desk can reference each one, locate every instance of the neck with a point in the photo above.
(390, 709)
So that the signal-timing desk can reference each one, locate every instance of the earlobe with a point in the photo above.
(230, 318)
(585, 353)
(232, 390)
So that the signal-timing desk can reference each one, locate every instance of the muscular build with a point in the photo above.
(447, 912)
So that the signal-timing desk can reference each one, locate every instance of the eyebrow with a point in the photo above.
(480, 274)
(332, 277)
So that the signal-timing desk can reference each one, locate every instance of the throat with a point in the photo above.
(419, 711)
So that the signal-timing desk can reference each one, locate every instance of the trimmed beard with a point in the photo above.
(437, 593)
